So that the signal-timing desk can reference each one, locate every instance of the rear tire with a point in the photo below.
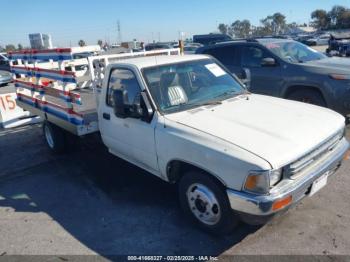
(308, 96)
(205, 202)
(54, 137)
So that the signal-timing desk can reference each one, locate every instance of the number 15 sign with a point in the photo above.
(9, 110)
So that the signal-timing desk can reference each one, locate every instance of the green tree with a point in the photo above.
(10, 47)
(81, 43)
(321, 19)
(267, 26)
(20, 47)
(223, 29)
(241, 29)
(100, 42)
(345, 19)
(278, 23)
(335, 16)
(273, 24)
(339, 17)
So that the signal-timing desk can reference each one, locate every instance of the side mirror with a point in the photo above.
(147, 110)
(268, 61)
(120, 99)
(141, 108)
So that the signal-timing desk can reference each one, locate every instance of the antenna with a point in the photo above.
(119, 32)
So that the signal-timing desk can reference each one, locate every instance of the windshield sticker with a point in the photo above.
(271, 46)
(215, 70)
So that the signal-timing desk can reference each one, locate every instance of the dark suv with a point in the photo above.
(287, 69)
(4, 63)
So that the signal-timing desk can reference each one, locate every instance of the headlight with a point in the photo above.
(275, 176)
(259, 182)
(339, 77)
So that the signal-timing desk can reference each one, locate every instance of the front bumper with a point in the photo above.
(262, 205)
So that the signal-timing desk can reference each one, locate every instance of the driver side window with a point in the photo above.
(123, 79)
(252, 56)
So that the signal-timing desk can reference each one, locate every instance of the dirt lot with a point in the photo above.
(320, 48)
(90, 202)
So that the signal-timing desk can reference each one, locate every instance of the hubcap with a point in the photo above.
(203, 204)
(48, 137)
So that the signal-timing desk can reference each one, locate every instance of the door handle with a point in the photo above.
(106, 116)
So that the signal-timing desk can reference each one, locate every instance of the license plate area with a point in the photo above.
(318, 184)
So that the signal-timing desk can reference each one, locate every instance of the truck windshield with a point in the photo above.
(181, 86)
(294, 52)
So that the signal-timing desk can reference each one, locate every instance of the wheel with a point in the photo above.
(204, 201)
(55, 137)
(308, 96)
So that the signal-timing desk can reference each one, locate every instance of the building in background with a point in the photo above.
(40, 41)
(131, 44)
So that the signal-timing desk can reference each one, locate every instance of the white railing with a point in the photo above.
(98, 64)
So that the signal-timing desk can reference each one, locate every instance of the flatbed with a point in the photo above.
(61, 89)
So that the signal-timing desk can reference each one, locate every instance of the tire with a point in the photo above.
(308, 96)
(54, 137)
(204, 201)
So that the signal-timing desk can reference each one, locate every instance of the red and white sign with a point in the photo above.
(9, 111)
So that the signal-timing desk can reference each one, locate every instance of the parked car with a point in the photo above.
(210, 38)
(318, 40)
(303, 38)
(190, 49)
(185, 119)
(287, 69)
(157, 46)
(82, 55)
(4, 63)
(5, 77)
(339, 44)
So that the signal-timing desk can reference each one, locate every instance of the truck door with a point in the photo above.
(265, 80)
(129, 138)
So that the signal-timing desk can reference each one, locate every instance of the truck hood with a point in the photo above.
(277, 130)
(332, 63)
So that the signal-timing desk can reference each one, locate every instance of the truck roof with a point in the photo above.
(149, 61)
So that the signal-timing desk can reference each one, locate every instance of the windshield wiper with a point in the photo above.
(227, 93)
(208, 103)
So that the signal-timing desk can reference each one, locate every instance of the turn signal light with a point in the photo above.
(282, 203)
(347, 155)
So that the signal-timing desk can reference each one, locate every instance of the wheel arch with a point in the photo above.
(176, 168)
(297, 87)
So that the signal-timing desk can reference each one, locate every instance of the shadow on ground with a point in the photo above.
(110, 206)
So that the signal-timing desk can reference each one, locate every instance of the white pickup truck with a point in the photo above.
(234, 155)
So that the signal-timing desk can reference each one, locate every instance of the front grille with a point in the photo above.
(294, 169)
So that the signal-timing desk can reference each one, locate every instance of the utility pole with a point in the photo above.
(119, 32)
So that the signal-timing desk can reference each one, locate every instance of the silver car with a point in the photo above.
(5, 77)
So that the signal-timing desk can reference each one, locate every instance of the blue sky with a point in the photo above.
(70, 20)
